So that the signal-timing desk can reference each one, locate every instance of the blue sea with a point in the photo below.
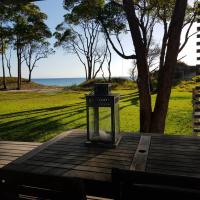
(59, 81)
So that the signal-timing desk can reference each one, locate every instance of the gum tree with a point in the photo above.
(5, 36)
(139, 18)
(35, 51)
(80, 34)
(28, 27)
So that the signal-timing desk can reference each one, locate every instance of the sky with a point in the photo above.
(65, 65)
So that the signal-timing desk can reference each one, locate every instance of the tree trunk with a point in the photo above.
(89, 73)
(9, 71)
(166, 73)
(3, 67)
(109, 63)
(29, 76)
(19, 67)
(142, 65)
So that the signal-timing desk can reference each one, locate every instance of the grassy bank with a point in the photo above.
(11, 84)
(39, 116)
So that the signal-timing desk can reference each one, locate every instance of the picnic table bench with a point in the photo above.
(68, 156)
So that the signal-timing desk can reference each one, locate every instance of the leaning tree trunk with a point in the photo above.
(166, 72)
(3, 67)
(142, 65)
(109, 63)
(9, 71)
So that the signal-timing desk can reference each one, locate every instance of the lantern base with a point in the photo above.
(104, 144)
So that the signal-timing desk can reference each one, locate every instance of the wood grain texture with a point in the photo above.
(141, 155)
(67, 155)
(174, 155)
(11, 150)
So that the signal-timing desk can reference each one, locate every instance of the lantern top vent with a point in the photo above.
(102, 89)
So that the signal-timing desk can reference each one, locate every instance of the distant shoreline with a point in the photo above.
(61, 82)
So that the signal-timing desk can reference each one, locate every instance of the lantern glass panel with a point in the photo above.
(100, 124)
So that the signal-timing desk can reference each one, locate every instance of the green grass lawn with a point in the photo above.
(39, 116)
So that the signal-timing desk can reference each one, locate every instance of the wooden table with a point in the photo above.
(67, 155)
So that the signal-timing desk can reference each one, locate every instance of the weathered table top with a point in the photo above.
(67, 155)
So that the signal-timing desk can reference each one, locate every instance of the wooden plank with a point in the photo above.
(97, 198)
(174, 155)
(10, 151)
(140, 158)
(86, 161)
(157, 169)
(88, 175)
(41, 147)
(85, 151)
(80, 165)
(20, 143)
(102, 156)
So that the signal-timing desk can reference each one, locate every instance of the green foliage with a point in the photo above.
(117, 83)
(83, 10)
(28, 24)
(187, 86)
(196, 78)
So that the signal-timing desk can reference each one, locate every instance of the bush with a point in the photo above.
(117, 83)
(196, 78)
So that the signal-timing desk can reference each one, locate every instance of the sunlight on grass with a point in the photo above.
(39, 116)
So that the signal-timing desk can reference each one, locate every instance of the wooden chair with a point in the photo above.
(22, 185)
(129, 185)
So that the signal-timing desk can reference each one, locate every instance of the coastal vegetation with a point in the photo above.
(90, 30)
(139, 19)
(11, 83)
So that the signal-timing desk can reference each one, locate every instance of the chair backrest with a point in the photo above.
(25, 185)
(129, 185)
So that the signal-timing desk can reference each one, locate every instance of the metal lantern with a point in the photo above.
(103, 116)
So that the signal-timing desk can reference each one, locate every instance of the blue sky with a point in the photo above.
(62, 65)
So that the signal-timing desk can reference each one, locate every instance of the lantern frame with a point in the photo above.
(104, 100)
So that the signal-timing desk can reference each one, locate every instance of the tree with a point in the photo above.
(80, 34)
(82, 39)
(155, 121)
(35, 51)
(5, 33)
(139, 19)
(28, 26)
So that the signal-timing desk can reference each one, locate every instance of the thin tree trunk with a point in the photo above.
(30, 75)
(9, 71)
(165, 80)
(143, 70)
(8, 64)
(109, 62)
(3, 67)
(89, 73)
(19, 68)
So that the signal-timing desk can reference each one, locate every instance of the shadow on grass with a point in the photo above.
(43, 124)
(40, 124)
(129, 100)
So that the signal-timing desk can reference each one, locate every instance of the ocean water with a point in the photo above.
(59, 81)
